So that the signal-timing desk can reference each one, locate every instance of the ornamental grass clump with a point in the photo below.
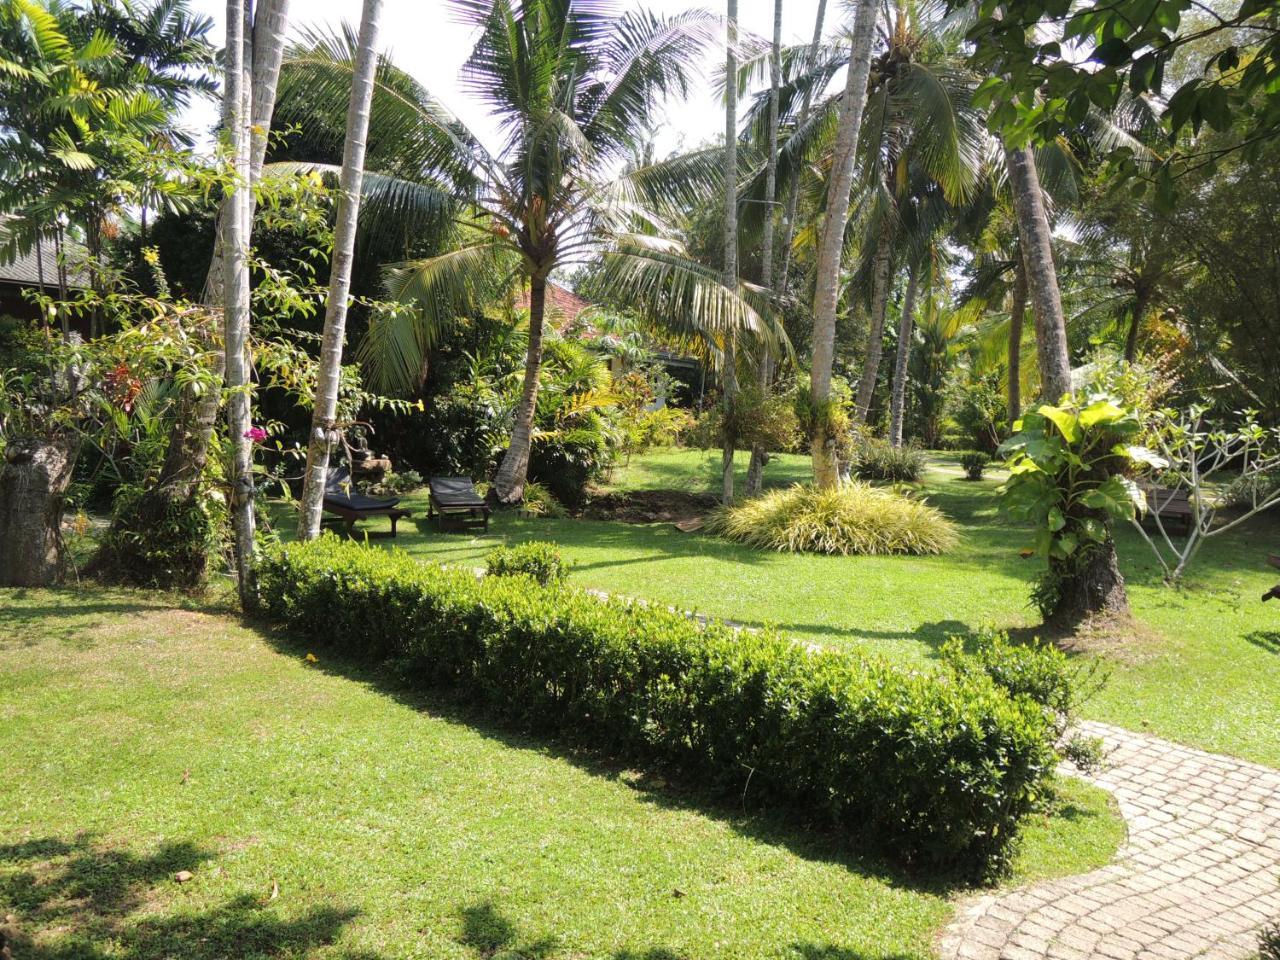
(852, 518)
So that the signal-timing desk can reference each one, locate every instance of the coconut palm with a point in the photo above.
(831, 241)
(755, 470)
(335, 319)
(573, 86)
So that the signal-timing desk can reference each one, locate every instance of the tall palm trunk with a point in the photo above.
(1140, 301)
(793, 195)
(508, 484)
(759, 455)
(1089, 583)
(1042, 277)
(881, 279)
(344, 242)
(1017, 313)
(831, 242)
(235, 291)
(906, 330)
(730, 359)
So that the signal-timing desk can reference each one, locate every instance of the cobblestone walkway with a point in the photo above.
(1199, 875)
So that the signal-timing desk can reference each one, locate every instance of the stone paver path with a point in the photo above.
(1198, 877)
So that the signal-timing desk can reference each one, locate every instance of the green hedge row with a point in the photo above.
(938, 769)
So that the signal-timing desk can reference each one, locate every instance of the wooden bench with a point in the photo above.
(1169, 504)
(455, 503)
(351, 507)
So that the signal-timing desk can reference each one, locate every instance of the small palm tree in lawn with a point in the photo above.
(574, 86)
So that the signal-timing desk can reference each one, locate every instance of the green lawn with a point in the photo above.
(325, 812)
(1208, 673)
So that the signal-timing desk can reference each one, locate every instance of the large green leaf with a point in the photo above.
(1068, 423)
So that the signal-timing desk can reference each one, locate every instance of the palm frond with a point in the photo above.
(434, 294)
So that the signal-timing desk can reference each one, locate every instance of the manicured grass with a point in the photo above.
(1208, 674)
(326, 812)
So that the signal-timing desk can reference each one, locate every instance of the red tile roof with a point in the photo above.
(563, 305)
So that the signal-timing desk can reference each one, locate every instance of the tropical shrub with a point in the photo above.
(1269, 942)
(169, 551)
(875, 459)
(539, 502)
(980, 410)
(974, 462)
(1067, 477)
(937, 769)
(538, 559)
(852, 518)
(767, 419)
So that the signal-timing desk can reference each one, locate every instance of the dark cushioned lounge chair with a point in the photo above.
(350, 506)
(455, 503)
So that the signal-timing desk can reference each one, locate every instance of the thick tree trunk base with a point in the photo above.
(162, 541)
(33, 483)
(1090, 593)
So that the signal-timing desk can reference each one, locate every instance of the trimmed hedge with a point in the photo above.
(936, 769)
(539, 559)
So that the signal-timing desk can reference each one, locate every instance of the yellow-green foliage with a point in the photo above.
(851, 518)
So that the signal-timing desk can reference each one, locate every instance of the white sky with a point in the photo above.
(423, 39)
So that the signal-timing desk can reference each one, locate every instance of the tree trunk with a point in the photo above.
(187, 450)
(1140, 301)
(1093, 588)
(831, 242)
(793, 195)
(33, 484)
(906, 330)
(730, 280)
(344, 242)
(235, 289)
(1042, 277)
(508, 484)
(881, 280)
(1017, 312)
(759, 455)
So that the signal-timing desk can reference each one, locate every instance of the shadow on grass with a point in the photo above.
(792, 829)
(1268, 640)
(93, 901)
(487, 933)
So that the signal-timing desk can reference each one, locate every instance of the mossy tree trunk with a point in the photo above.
(34, 479)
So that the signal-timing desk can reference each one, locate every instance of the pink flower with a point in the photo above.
(256, 434)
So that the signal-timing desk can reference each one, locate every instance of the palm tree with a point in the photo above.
(831, 241)
(1035, 243)
(573, 86)
(252, 58)
(335, 320)
(730, 176)
(759, 456)
(921, 131)
(906, 331)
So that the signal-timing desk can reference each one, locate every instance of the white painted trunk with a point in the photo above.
(730, 373)
(329, 375)
(906, 332)
(1042, 277)
(234, 227)
(831, 240)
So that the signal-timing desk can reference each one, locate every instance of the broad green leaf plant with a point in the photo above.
(1067, 475)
